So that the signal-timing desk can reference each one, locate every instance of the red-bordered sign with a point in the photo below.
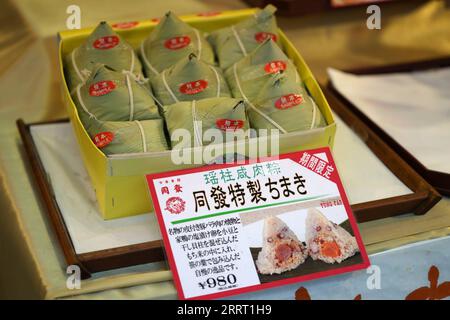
(317, 161)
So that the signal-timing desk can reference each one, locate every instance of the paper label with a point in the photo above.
(193, 87)
(105, 43)
(288, 101)
(102, 139)
(275, 66)
(235, 228)
(177, 43)
(262, 36)
(101, 88)
(229, 124)
(125, 25)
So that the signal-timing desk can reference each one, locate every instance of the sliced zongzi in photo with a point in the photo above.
(226, 116)
(326, 240)
(171, 41)
(282, 250)
(114, 137)
(108, 95)
(284, 105)
(247, 76)
(105, 46)
(189, 79)
(233, 43)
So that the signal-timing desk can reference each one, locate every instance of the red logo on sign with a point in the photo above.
(125, 25)
(101, 88)
(176, 43)
(261, 36)
(175, 205)
(107, 42)
(208, 14)
(193, 87)
(288, 101)
(275, 66)
(102, 139)
(229, 124)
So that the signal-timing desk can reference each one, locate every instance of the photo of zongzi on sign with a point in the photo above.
(292, 241)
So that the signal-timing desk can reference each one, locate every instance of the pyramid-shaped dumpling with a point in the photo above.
(104, 46)
(170, 41)
(326, 240)
(225, 116)
(233, 43)
(248, 75)
(108, 95)
(115, 137)
(189, 79)
(284, 105)
(281, 251)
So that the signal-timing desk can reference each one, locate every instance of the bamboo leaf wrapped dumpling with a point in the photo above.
(233, 43)
(284, 105)
(105, 46)
(247, 76)
(115, 137)
(108, 95)
(189, 79)
(170, 41)
(226, 115)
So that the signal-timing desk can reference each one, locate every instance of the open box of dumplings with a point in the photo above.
(128, 87)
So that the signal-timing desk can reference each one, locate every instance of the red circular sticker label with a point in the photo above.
(125, 25)
(176, 43)
(193, 87)
(288, 101)
(105, 43)
(101, 88)
(275, 66)
(261, 36)
(229, 124)
(175, 205)
(102, 139)
(209, 14)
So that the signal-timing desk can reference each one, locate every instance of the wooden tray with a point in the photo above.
(439, 180)
(419, 202)
(88, 262)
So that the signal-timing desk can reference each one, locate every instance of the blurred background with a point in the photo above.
(410, 30)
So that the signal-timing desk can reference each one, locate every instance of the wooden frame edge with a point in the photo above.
(58, 223)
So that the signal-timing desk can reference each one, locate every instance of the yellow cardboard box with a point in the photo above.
(119, 180)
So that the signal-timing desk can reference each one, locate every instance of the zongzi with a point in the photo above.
(189, 79)
(226, 116)
(108, 95)
(233, 43)
(284, 105)
(172, 40)
(105, 46)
